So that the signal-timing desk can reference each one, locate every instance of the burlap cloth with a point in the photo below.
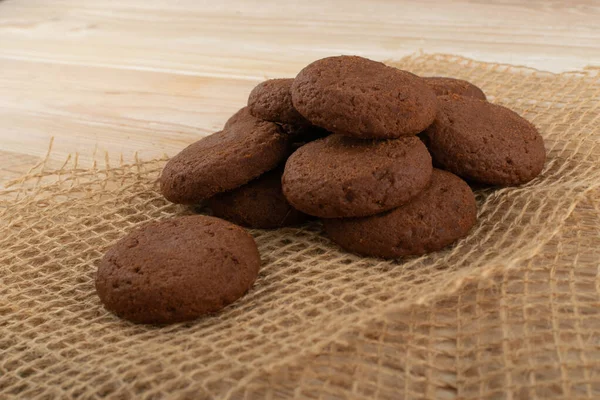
(511, 312)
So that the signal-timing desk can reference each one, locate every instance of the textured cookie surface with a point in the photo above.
(358, 97)
(443, 213)
(239, 116)
(271, 100)
(484, 142)
(246, 148)
(443, 86)
(341, 176)
(257, 204)
(177, 270)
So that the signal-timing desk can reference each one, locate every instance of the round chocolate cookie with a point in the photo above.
(246, 148)
(177, 270)
(272, 101)
(440, 215)
(484, 142)
(257, 204)
(341, 176)
(445, 86)
(362, 98)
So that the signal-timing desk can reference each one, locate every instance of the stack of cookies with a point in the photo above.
(354, 142)
(377, 153)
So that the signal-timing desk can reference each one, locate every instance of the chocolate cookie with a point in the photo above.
(443, 213)
(246, 148)
(445, 86)
(484, 142)
(257, 204)
(358, 97)
(341, 176)
(240, 115)
(272, 101)
(177, 270)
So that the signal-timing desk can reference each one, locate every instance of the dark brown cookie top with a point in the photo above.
(258, 204)
(272, 101)
(177, 269)
(341, 176)
(440, 215)
(443, 86)
(484, 142)
(246, 148)
(358, 97)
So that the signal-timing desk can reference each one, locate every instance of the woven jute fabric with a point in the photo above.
(510, 312)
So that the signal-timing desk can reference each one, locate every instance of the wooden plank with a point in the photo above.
(152, 76)
(238, 37)
(91, 110)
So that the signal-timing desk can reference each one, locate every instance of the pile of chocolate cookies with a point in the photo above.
(351, 141)
(377, 153)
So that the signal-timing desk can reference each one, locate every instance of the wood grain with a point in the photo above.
(152, 76)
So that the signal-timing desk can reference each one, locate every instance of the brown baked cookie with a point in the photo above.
(177, 270)
(257, 204)
(240, 115)
(272, 101)
(246, 148)
(484, 142)
(341, 176)
(362, 98)
(440, 215)
(445, 86)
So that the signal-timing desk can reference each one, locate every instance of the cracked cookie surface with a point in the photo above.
(484, 142)
(362, 98)
(246, 148)
(177, 269)
(339, 176)
(440, 215)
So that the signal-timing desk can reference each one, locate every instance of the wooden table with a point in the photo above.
(116, 77)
